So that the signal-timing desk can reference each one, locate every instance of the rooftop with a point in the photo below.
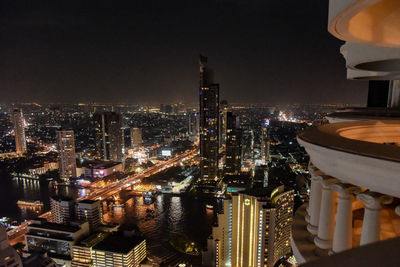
(98, 164)
(118, 244)
(92, 240)
(87, 201)
(61, 198)
(55, 227)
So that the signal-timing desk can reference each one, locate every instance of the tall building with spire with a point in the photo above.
(209, 124)
(19, 131)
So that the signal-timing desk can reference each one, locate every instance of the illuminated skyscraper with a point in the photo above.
(193, 129)
(253, 230)
(66, 153)
(107, 135)
(265, 142)
(19, 131)
(233, 147)
(136, 137)
(209, 124)
(223, 122)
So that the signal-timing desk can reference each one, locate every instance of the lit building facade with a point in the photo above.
(233, 146)
(19, 131)
(252, 230)
(355, 159)
(223, 123)
(66, 154)
(119, 251)
(193, 129)
(108, 138)
(90, 211)
(136, 137)
(54, 239)
(99, 169)
(265, 142)
(82, 252)
(42, 169)
(62, 210)
(209, 124)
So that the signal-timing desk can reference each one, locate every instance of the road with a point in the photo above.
(16, 235)
(114, 188)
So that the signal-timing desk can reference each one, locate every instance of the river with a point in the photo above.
(184, 214)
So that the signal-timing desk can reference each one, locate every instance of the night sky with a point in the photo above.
(262, 51)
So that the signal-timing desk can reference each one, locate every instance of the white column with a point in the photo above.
(371, 227)
(311, 170)
(342, 239)
(326, 216)
(315, 202)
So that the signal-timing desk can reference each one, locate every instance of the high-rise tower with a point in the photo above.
(265, 142)
(66, 153)
(233, 147)
(253, 230)
(19, 131)
(193, 129)
(223, 105)
(136, 137)
(108, 137)
(209, 124)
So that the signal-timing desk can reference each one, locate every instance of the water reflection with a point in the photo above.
(175, 214)
(156, 218)
(13, 189)
(165, 216)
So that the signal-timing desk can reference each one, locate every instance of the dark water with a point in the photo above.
(13, 189)
(185, 215)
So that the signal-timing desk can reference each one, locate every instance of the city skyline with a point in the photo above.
(280, 148)
(71, 53)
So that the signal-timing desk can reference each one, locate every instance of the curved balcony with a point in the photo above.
(355, 170)
(375, 22)
(371, 62)
(363, 153)
(356, 114)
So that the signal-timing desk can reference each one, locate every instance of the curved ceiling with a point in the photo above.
(368, 21)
